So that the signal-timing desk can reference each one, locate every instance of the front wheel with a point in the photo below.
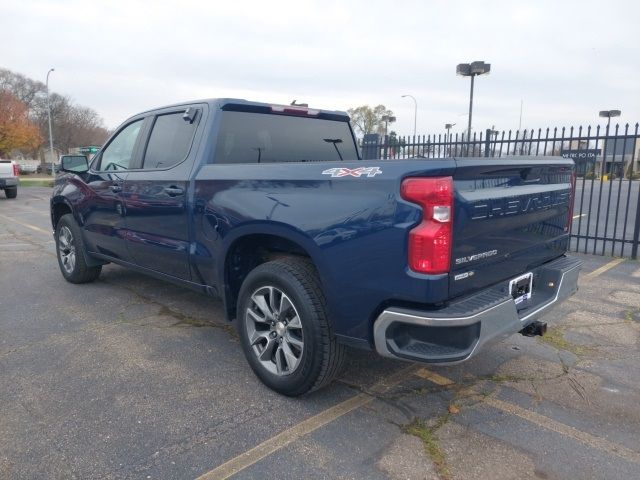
(284, 330)
(70, 252)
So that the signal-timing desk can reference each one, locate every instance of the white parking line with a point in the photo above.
(303, 428)
(547, 423)
(602, 269)
(27, 225)
(433, 377)
(579, 215)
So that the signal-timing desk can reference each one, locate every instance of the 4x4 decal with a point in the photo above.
(353, 172)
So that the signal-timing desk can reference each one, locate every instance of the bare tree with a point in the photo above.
(366, 119)
(21, 87)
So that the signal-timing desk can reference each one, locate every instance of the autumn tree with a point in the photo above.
(17, 132)
(73, 125)
(366, 119)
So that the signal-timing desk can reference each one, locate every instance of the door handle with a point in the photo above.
(115, 188)
(173, 191)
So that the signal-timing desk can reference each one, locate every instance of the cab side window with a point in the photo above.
(117, 155)
(170, 140)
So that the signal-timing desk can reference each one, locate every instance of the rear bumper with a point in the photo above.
(8, 182)
(456, 333)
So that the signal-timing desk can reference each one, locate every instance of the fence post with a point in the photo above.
(487, 142)
(371, 146)
(636, 230)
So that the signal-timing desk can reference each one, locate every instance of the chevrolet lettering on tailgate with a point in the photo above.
(503, 206)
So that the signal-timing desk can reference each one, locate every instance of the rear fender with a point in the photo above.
(283, 231)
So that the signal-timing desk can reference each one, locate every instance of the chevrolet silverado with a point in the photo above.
(312, 249)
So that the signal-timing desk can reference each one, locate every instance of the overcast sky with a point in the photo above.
(565, 59)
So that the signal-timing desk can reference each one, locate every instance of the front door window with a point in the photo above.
(117, 155)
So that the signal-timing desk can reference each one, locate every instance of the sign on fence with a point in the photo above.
(585, 160)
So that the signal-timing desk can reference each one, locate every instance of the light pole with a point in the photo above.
(492, 132)
(472, 70)
(448, 127)
(387, 119)
(415, 112)
(49, 117)
(607, 114)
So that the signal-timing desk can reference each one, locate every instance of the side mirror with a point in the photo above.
(74, 163)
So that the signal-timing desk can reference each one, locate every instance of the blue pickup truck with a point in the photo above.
(313, 249)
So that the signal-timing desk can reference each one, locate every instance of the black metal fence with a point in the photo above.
(606, 215)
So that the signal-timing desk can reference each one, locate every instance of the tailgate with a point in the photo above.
(510, 215)
(6, 168)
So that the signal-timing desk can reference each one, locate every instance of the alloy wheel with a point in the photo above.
(67, 249)
(274, 330)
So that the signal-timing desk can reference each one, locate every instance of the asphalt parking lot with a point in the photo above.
(130, 377)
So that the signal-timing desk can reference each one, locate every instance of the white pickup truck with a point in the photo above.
(9, 178)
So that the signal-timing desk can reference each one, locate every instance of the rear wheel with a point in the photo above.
(284, 330)
(11, 192)
(71, 254)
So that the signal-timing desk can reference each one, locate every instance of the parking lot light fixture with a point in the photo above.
(608, 114)
(448, 138)
(472, 70)
(448, 127)
(387, 119)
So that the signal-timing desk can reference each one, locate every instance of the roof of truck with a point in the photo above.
(222, 102)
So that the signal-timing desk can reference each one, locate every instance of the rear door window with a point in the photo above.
(247, 137)
(170, 140)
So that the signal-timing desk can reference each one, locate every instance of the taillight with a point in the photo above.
(16, 170)
(572, 197)
(430, 242)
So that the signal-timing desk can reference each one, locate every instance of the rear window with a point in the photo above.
(262, 138)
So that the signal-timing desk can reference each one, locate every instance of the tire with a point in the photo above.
(290, 356)
(11, 192)
(71, 254)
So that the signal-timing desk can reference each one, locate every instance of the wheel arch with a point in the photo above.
(251, 247)
(61, 206)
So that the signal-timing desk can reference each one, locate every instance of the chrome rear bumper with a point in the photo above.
(456, 333)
